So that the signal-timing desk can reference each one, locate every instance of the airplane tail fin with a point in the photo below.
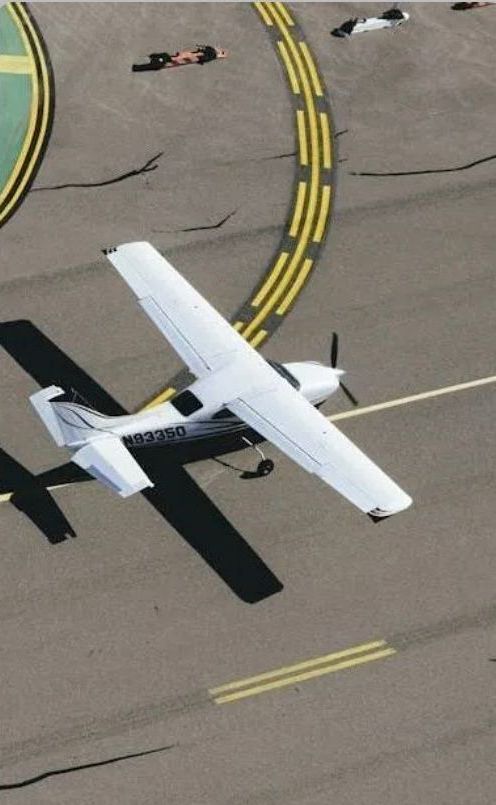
(69, 424)
(98, 451)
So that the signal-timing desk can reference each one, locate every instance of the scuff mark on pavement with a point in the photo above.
(198, 228)
(339, 133)
(70, 769)
(421, 172)
(146, 168)
(278, 156)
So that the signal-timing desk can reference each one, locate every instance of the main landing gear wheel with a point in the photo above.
(264, 467)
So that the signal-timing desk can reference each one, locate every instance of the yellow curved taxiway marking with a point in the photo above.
(302, 243)
(301, 672)
(289, 68)
(40, 136)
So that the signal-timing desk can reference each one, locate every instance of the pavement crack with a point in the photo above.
(423, 172)
(198, 228)
(69, 769)
(278, 156)
(148, 167)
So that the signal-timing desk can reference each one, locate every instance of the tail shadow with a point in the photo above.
(175, 496)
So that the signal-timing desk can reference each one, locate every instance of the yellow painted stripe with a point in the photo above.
(425, 395)
(324, 209)
(302, 136)
(311, 69)
(261, 10)
(32, 117)
(293, 680)
(269, 282)
(16, 64)
(239, 326)
(289, 67)
(46, 108)
(326, 140)
(314, 183)
(257, 340)
(300, 200)
(160, 398)
(283, 11)
(296, 287)
(299, 666)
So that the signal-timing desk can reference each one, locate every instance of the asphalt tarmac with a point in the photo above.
(113, 640)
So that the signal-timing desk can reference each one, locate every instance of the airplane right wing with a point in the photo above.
(291, 423)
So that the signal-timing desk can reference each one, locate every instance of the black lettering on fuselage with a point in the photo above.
(154, 436)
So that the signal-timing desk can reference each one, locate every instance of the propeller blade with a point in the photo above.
(334, 350)
(348, 393)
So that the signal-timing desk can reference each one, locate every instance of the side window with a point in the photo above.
(224, 413)
(186, 403)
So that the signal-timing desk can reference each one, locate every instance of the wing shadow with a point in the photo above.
(176, 496)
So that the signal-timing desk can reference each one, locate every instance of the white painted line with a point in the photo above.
(425, 395)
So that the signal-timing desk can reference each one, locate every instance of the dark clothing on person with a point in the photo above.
(206, 52)
(157, 62)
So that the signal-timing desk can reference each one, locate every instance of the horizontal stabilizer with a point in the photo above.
(107, 460)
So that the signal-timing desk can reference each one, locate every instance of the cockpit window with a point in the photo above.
(281, 370)
(186, 403)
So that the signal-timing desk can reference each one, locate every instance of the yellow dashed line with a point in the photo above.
(289, 67)
(284, 13)
(16, 64)
(258, 338)
(296, 288)
(326, 140)
(300, 200)
(302, 136)
(311, 69)
(239, 326)
(263, 13)
(314, 181)
(324, 209)
(264, 290)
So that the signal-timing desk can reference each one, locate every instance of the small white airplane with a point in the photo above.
(236, 391)
(360, 25)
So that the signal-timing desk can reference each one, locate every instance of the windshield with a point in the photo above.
(281, 370)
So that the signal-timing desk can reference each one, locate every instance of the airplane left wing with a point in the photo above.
(290, 422)
(202, 337)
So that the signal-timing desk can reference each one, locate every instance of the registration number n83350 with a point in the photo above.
(152, 436)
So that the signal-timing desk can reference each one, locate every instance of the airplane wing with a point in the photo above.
(201, 336)
(107, 460)
(290, 422)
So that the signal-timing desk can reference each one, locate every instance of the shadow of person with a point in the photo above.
(175, 496)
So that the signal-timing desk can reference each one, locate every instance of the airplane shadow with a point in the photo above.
(175, 496)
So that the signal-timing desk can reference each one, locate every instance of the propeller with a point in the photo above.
(334, 361)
